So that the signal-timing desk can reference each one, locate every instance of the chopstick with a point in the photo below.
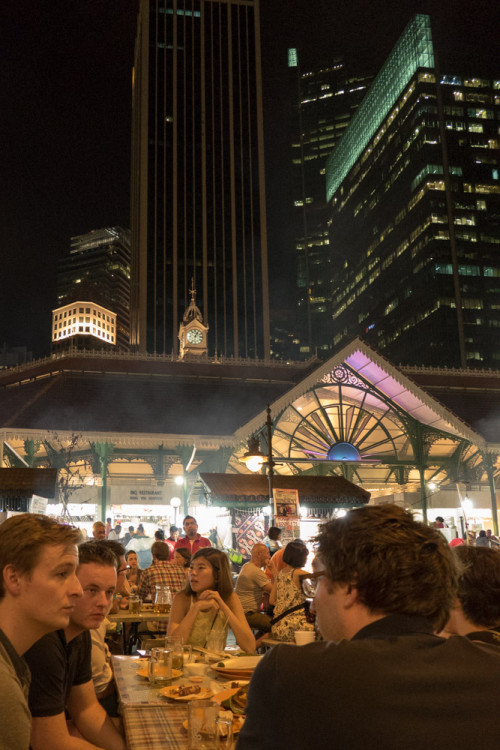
(216, 654)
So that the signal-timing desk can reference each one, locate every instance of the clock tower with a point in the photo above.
(192, 331)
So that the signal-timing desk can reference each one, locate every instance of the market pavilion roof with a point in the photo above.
(162, 417)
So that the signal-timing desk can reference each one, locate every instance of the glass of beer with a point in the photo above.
(134, 604)
(163, 600)
(176, 644)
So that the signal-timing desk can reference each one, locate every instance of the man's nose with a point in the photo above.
(102, 599)
(76, 587)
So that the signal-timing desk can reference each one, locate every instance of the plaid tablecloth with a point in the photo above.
(155, 727)
(151, 722)
(134, 690)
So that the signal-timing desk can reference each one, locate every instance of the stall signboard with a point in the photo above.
(287, 514)
(38, 505)
(138, 495)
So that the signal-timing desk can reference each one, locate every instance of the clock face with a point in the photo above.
(194, 336)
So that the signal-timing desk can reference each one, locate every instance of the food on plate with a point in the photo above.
(184, 690)
(186, 693)
(237, 702)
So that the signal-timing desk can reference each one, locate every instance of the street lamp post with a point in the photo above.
(175, 502)
(255, 459)
(270, 462)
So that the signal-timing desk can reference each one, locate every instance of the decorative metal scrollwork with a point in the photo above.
(341, 374)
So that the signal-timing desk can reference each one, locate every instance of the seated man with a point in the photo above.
(60, 665)
(102, 674)
(476, 610)
(38, 590)
(383, 586)
(251, 585)
(99, 530)
(161, 573)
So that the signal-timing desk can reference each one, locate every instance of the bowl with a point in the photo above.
(304, 636)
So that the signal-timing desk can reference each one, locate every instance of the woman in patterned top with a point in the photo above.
(287, 592)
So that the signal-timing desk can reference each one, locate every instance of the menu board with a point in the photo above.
(287, 514)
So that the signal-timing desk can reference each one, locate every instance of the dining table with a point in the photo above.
(135, 619)
(152, 722)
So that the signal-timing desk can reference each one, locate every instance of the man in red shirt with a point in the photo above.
(172, 539)
(193, 541)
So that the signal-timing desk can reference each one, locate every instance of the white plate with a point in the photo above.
(239, 662)
(144, 672)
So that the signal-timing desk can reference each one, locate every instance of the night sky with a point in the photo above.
(65, 93)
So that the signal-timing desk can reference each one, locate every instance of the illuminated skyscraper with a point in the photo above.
(97, 270)
(325, 98)
(198, 199)
(414, 202)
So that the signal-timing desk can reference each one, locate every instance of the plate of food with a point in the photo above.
(235, 700)
(186, 693)
(144, 672)
(239, 662)
(239, 668)
(235, 684)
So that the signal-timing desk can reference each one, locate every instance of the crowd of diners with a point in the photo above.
(407, 632)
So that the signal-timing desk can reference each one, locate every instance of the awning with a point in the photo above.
(28, 482)
(251, 490)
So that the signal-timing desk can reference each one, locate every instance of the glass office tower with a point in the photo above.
(325, 98)
(198, 199)
(414, 199)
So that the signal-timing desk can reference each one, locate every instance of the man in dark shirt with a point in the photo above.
(38, 590)
(476, 609)
(383, 585)
(61, 668)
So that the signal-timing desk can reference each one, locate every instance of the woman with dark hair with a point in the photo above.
(272, 540)
(134, 573)
(182, 557)
(208, 604)
(287, 592)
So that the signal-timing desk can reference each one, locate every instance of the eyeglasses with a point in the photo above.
(309, 583)
(124, 570)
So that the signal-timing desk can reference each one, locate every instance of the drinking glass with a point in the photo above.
(134, 604)
(160, 666)
(163, 600)
(175, 644)
(216, 642)
(224, 731)
(202, 725)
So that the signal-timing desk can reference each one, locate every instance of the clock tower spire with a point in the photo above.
(192, 330)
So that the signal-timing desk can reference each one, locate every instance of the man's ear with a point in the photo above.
(12, 579)
(350, 595)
